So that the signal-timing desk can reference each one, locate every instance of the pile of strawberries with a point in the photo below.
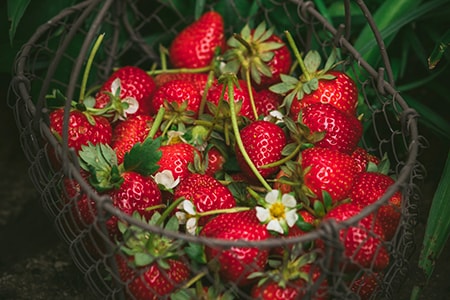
(237, 138)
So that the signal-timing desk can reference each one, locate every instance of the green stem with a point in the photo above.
(180, 70)
(297, 55)
(283, 160)
(169, 210)
(205, 92)
(223, 211)
(87, 70)
(237, 134)
(157, 122)
(250, 92)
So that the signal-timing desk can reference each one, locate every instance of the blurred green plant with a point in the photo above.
(416, 34)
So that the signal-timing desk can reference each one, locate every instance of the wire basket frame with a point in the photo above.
(54, 58)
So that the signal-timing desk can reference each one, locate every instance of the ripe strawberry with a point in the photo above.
(267, 101)
(258, 52)
(135, 194)
(328, 170)
(206, 193)
(134, 83)
(153, 281)
(176, 158)
(241, 95)
(216, 161)
(362, 158)
(236, 263)
(367, 188)
(366, 285)
(195, 45)
(198, 79)
(343, 131)
(179, 92)
(129, 132)
(263, 142)
(290, 289)
(363, 243)
(151, 266)
(341, 92)
(84, 128)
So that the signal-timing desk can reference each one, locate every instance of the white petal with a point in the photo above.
(262, 214)
(166, 179)
(291, 217)
(133, 105)
(115, 85)
(191, 225)
(188, 207)
(288, 200)
(181, 216)
(274, 225)
(272, 196)
(276, 114)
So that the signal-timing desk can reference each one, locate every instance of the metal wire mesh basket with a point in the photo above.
(54, 59)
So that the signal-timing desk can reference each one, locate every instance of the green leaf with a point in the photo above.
(143, 157)
(195, 251)
(312, 61)
(319, 208)
(16, 10)
(143, 259)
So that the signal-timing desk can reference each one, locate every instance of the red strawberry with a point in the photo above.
(328, 170)
(83, 128)
(195, 45)
(206, 193)
(290, 289)
(258, 52)
(341, 92)
(267, 101)
(151, 266)
(176, 158)
(135, 194)
(179, 92)
(343, 131)
(241, 94)
(134, 83)
(368, 187)
(263, 142)
(198, 79)
(362, 158)
(152, 282)
(215, 161)
(366, 285)
(236, 263)
(363, 243)
(129, 132)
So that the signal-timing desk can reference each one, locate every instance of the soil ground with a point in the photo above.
(35, 264)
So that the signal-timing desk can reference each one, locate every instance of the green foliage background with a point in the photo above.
(415, 31)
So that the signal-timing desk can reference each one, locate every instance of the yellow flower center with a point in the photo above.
(277, 210)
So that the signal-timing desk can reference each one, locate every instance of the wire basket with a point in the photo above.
(54, 58)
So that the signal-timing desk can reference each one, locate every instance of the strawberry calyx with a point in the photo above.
(308, 82)
(100, 161)
(147, 248)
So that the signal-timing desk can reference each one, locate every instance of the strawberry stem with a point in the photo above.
(297, 55)
(250, 92)
(229, 80)
(158, 120)
(87, 70)
(180, 70)
(223, 211)
(283, 160)
(205, 92)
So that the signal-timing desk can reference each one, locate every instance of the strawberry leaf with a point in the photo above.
(143, 157)
(312, 61)
(196, 253)
(319, 209)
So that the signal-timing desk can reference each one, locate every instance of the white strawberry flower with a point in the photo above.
(175, 136)
(129, 104)
(274, 115)
(279, 211)
(165, 178)
(187, 214)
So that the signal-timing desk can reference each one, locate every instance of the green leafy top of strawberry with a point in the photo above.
(147, 248)
(308, 82)
(101, 162)
(250, 51)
